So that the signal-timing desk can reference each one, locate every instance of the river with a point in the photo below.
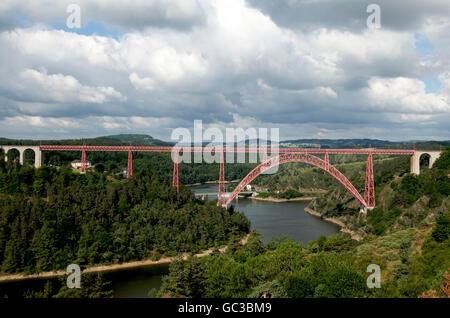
(274, 219)
(271, 219)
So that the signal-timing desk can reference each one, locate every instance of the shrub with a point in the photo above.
(300, 285)
(271, 289)
(442, 230)
(342, 282)
(400, 271)
(338, 242)
(435, 201)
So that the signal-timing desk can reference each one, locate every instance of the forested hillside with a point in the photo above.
(403, 200)
(50, 218)
(363, 143)
(113, 140)
(301, 175)
(412, 263)
(407, 235)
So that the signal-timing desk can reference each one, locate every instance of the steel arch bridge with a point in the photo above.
(296, 157)
(282, 155)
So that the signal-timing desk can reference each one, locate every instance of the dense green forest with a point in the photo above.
(50, 218)
(363, 143)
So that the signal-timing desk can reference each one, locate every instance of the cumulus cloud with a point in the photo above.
(227, 63)
(350, 14)
(46, 127)
(63, 89)
(405, 95)
(126, 15)
(444, 78)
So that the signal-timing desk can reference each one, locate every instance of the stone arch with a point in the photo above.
(29, 156)
(424, 161)
(13, 154)
(416, 159)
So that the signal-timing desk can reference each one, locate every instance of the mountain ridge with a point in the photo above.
(147, 140)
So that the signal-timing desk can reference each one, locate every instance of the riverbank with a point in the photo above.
(211, 182)
(113, 267)
(355, 236)
(272, 199)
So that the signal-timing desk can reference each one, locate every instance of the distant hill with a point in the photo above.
(362, 143)
(114, 140)
(136, 139)
(147, 140)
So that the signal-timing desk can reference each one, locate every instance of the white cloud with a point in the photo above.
(145, 83)
(64, 88)
(225, 62)
(350, 14)
(57, 46)
(40, 122)
(444, 78)
(54, 127)
(127, 15)
(405, 94)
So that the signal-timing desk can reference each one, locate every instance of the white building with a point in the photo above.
(248, 187)
(76, 164)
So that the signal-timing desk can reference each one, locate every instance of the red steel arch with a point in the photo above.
(295, 157)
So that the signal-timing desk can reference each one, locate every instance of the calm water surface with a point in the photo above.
(274, 219)
(137, 283)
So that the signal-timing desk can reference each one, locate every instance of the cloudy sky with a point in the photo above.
(310, 67)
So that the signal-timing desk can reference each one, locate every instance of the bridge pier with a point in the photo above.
(415, 160)
(130, 165)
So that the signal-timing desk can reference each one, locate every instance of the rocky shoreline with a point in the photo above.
(272, 199)
(355, 236)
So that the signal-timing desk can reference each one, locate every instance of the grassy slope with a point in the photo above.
(411, 261)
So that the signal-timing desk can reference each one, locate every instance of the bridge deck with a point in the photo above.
(374, 151)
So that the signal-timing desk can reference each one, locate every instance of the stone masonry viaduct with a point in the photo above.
(21, 149)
